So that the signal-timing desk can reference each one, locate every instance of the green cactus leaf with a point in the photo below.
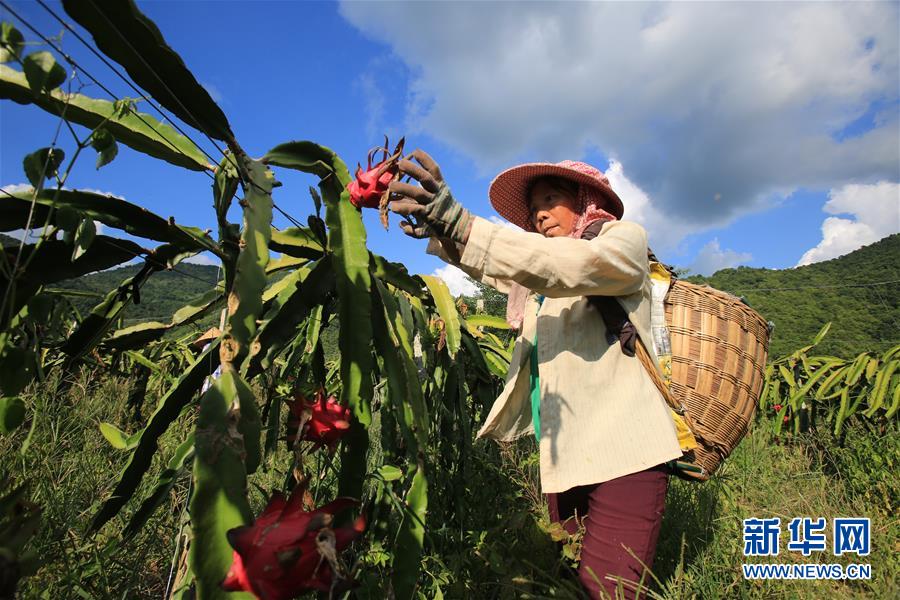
(280, 328)
(177, 397)
(135, 336)
(821, 373)
(822, 333)
(138, 336)
(411, 538)
(184, 453)
(481, 320)
(310, 157)
(245, 298)
(197, 307)
(880, 387)
(496, 364)
(347, 240)
(787, 376)
(857, 368)
(314, 328)
(890, 353)
(92, 329)
(249, 425)
(833, 378)
(51, 262)
(299, 242)
(872, 368)
(347, 243)
(111, 211)
(12, 413)
(895, 398)
(284, 263)
(219, 502)
(389, 473)
(843, 411)
(225, 185)
(123, 33)
(273, 424)
(135, 129)
(446, 308)
(396, 275)
(476, 359)
(404, 390)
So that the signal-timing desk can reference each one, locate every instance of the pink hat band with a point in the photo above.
(508, 190)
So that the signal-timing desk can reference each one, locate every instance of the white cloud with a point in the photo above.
(101, 192)
(713, 107)
(458, 282)
(17, 188)
(204, 258)
(874, 211)
(374, 100)
(712, 258)
(663, 233)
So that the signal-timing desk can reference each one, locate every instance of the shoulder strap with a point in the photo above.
(616, 320)
(614, 316)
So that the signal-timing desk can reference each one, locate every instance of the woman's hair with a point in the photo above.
(557, 183)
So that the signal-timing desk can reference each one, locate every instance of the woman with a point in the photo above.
(603, 429)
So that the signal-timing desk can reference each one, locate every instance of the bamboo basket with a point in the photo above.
(719, 350)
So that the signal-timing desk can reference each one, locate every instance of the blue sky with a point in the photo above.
(736, 133)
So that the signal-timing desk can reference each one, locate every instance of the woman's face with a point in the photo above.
(553, 212)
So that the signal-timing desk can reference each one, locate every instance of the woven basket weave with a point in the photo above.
(719, 350)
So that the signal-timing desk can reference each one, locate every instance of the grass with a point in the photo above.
(700, 549)
(498, 547)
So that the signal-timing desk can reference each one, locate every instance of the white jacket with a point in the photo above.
(601, 415)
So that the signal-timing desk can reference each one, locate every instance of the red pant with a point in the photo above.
(620, 513)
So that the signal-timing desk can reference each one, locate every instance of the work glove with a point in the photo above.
(432, 205)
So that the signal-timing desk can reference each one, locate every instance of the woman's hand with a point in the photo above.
(436, 212)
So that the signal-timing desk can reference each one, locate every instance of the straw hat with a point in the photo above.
(507, 191)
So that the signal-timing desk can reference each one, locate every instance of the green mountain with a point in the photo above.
(859, 293)
(161, 295)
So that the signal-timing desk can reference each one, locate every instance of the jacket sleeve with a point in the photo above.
(612, 264)
(436, 249)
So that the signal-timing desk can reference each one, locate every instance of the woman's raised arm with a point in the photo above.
(612, 264)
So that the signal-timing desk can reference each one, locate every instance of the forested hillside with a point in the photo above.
(162, 294)
(859, 293)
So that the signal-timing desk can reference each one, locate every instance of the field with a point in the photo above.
(505, 551)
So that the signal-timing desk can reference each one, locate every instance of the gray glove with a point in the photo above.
(437, 214)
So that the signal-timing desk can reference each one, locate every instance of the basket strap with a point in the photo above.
(701, 433)
(657, 379)
(614, 316)
(620, 326)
